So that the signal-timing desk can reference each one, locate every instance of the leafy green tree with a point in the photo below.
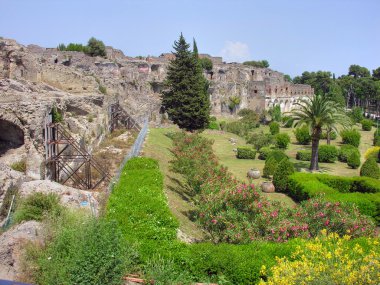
(358, 71)
(185, 97)
(234, 102)
(206, 63)
(376, 73)
(287, 78)
(96, 48)
(259, 64)
(317, 113)
(61, 47)
(320, 81)
(275, 113)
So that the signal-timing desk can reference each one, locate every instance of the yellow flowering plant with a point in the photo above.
(328, 259)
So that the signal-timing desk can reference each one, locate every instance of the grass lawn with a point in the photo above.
(158, 146)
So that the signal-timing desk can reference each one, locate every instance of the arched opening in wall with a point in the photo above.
(287, 106)
(11, 136)
(155, 67)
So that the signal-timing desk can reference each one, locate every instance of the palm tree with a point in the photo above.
(318, 112)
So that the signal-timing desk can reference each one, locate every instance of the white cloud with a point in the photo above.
(235, 51)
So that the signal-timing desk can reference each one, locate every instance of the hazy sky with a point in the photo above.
(293, 35)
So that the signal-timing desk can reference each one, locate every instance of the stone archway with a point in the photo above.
(287, 106)
(11, 136)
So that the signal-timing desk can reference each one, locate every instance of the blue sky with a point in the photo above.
(293, 35)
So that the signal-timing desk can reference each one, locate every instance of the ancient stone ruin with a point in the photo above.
(36, 80)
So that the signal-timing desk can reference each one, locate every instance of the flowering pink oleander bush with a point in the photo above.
(235, 212)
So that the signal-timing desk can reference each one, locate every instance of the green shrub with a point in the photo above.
(223, 125)
(303, 135)
(206, 63)
(102, 89)
(246, 153)
(366, 125)
(82, 250)
(333, 135)
(280, 176)
(74, 47)
(304, 155)
(274, 128)
(213, 125)
(56, 116)
(37, 206)
(277, 154)
(264, 152)
(376, 138)
(351, 137)
(361, 191)
(270, 166)
(327, 153)
(370, 168)
(282, 140)
(345, 151)
(259, 140)
(356, 114)
(287, 121)
(19, 165)
(354, 160)
(96, 48)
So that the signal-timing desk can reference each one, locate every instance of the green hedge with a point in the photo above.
(304, 155)
(264, 152)
(140, 209)
(362, 191)
(345, 152)
(246, 153)
(327, 153)
(351, 137)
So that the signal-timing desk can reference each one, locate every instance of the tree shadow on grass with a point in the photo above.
(299, 165)
(180, 188)
(191, 215)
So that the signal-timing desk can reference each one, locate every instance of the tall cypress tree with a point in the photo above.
(185, 97)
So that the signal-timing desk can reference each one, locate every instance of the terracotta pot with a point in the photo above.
(253, 173)
(267, 187)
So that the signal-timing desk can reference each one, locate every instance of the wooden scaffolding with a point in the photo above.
(67, 161)
(118, 116)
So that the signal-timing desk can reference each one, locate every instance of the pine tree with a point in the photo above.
(185, 97)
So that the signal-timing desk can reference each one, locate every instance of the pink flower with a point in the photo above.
(214, 221)
(327, 222)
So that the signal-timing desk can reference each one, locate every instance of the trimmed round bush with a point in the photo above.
(370, 168)
(372, 152)
(274, 128)
(353, 160)
(264, 152)
(277, 154)
(302, 135)
(282, 140)
(333, 135)
(366, 125)
(345, 151)
(246, 153)
(327, 153)
(270, 166)
(213, 125)
(304, 155)
(280, 176)
(351, 137)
